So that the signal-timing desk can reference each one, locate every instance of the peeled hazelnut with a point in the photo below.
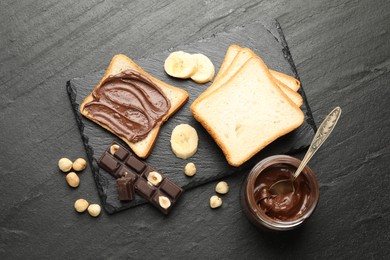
(114, 148)
(222, 187)
(81, 205)
(94, 210)
(65, 164)
(79, 164)
(73, 180)
(154, 178)
(164, 202)
(215, 201)
(190, 169)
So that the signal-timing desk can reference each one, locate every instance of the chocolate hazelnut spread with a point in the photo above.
(282, 212)
(130, 104)
(282, 206)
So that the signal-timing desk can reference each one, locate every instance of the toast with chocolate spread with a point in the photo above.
(132, 104)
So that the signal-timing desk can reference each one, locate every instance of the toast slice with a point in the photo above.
(247, 53)
(176, 96)
(228, 70)
(247, 113)
(231, 53)
(289, 81)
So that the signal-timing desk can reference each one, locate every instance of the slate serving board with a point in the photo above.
(266, 39)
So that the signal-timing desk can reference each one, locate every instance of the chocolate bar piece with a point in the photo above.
(160, 191)
(125, 186)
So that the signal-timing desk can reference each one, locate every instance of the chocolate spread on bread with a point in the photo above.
(130, 104)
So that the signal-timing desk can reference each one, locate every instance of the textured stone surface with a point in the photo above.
(341, 52)
(265, 38)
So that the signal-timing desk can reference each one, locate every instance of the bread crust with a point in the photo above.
(121, 63)
(285, 79)
(289, 81)
(234, 59)
(230, 55)
(234, 50)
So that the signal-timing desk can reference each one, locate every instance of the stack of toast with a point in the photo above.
(248, 105)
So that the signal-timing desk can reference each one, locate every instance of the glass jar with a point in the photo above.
(261, 212)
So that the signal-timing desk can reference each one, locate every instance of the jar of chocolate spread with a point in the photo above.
(282, 211)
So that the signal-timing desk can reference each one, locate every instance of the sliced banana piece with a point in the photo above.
(184, 141)
(180, 64)
(204, 69)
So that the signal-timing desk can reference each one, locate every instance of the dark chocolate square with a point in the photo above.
(171, 188)
(126, 172)
(121, 153)
(144, 188)
(125, 187)
(136, 164)
(108, 163)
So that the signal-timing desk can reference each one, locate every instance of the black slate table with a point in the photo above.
(341, 50)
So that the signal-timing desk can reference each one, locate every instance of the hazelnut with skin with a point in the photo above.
(190, 169)
(73, 180)
(81, 205)
(94, 210)
(222, 187)
(65, 164)
(79, 164)
(215, 201)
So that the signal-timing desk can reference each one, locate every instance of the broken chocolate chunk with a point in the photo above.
(125, 186)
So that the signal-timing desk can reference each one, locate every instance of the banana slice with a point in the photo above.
(180, 64)
(204, 69)
(184, 141)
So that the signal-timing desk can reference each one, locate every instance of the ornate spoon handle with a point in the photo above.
(322, 134)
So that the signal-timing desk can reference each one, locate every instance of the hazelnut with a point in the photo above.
(154, 178)
(164, 202)
(81, 205)
(65, 164)
(222, 187)
(79, 164)
(73, 180)
(114, 148)
(215, 201)
(190, 169)
(94, 210)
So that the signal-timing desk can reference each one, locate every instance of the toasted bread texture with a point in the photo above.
(247, 112)
(176, 96)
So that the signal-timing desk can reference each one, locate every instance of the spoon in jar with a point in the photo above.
(287, 185)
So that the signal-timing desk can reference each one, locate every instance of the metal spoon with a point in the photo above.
(326, 127)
